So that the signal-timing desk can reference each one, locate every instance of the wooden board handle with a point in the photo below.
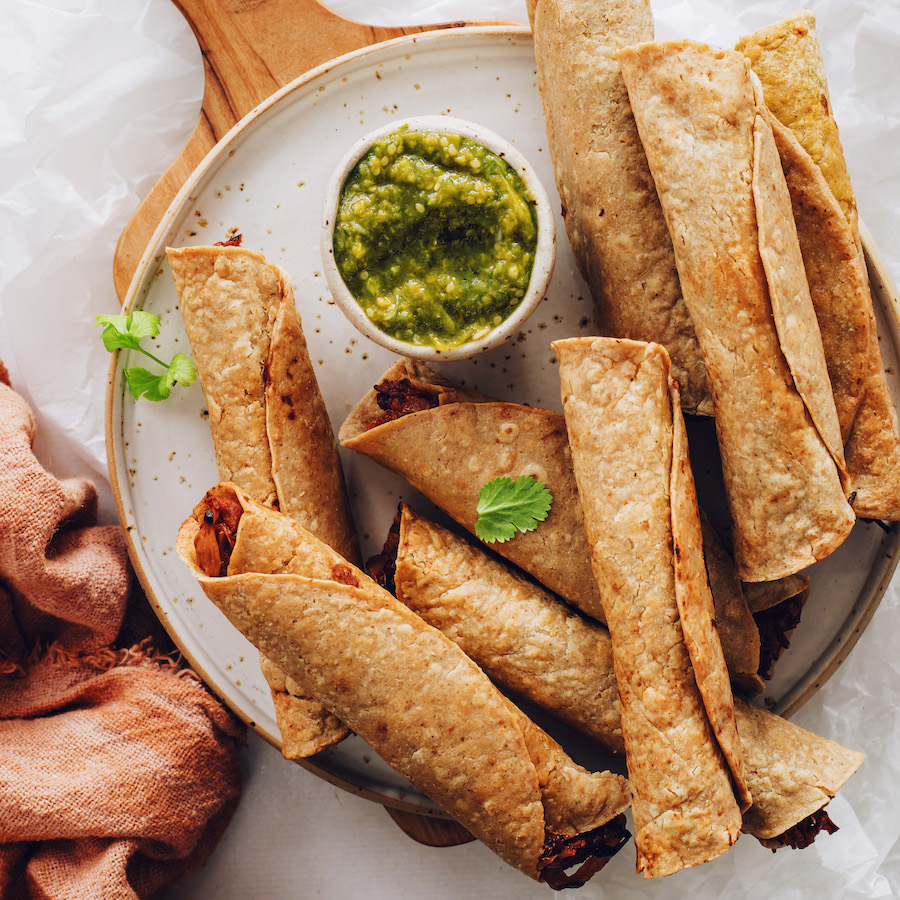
(251, 48)
(430, 831)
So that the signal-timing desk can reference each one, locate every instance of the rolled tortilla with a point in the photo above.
(734, 619)
(612, 214)
(271, 432)
(402, 686)
(709, 145)
(521, 635)
(527, 641)
(787, 58)
(873, 448)
(450, 450)
(838, 281)
(643, 528)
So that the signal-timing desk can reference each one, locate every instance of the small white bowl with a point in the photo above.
(544, 257)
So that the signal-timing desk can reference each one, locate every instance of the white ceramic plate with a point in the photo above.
(266, 180)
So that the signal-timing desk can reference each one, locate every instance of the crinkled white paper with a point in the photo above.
(99, 96)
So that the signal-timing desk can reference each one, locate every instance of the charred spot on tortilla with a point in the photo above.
(288, 402)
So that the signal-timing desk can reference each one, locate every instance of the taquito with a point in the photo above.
(787, 58)
(404, 688)
(529, 642)
(448, 442)
(629, 454)
(835, 271)
(271, 432)
(703, 124)
(611, 211)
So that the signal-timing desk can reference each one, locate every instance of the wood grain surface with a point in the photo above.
(429, 830)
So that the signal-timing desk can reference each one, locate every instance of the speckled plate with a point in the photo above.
(265, 180)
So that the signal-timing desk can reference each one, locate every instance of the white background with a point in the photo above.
(98, 97)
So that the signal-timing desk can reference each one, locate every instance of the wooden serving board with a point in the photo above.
(251, 49)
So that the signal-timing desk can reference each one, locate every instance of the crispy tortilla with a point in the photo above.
(270, 429)
(402, 686)
(838, 282)
(873, 448)
(450, 451)
(530, 643)
(802, 774)
(709, 146)
(523, 637)
(734, 619)
(613, 219)
(228, 299)
(763, 595)
(643, 531)
(787, 58)
(788, 61)
(793, 311)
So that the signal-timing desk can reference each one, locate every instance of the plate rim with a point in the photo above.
(820, 671)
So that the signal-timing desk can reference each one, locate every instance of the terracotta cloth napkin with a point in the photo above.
(118, 770)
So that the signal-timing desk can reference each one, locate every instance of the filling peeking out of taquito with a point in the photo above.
(710, 147)
(533, 645)
(787, 58)
(405, 689)
(270, 429)
(631, 464)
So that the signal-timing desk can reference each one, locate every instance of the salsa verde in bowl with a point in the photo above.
(438, 239)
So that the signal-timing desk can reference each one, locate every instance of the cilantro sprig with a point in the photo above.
(506, 507)
(126, 333)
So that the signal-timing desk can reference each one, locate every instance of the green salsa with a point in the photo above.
(435, 237)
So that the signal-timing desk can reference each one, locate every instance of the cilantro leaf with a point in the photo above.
(181, 370)
(506, 507)
(126, 333)
(143, 383)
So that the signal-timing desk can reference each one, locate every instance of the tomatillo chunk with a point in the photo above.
(435, 238)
